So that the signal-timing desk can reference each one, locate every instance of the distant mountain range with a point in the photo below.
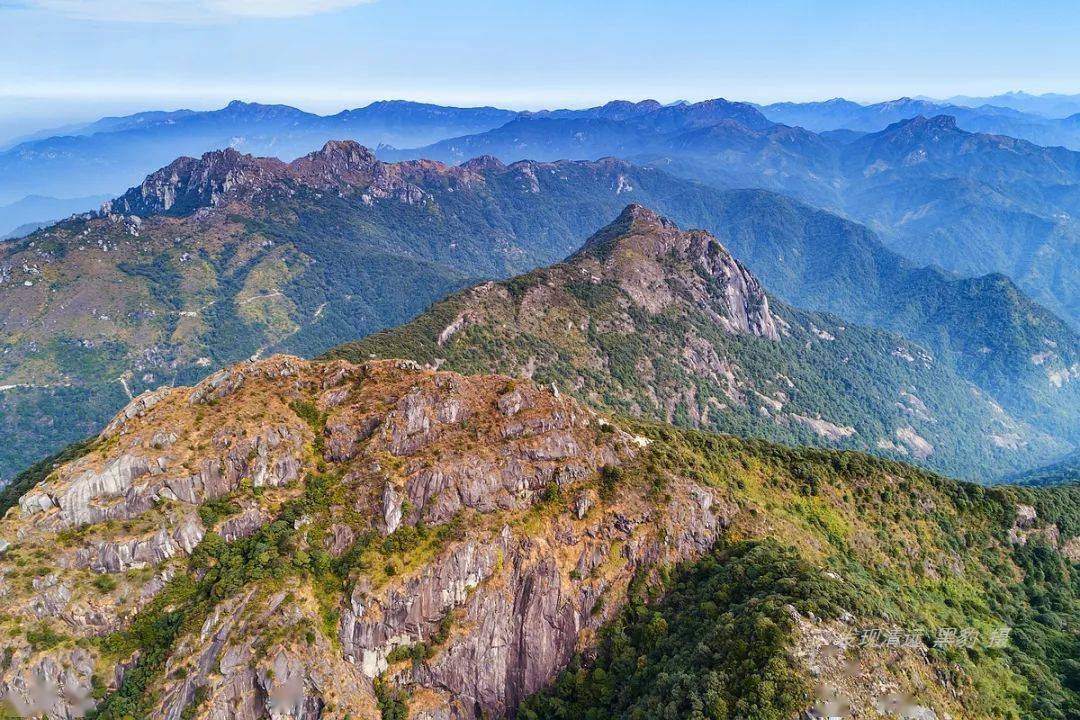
(1053, 105)
(840, 114)
(969, 202)
(112, 154)
(216, 259)
(23, 216)
(952, 193)
(107, 155)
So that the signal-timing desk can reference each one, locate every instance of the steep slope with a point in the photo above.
(293, 539)
(231, 255)
(112, 154)
(646, 319)
(986, 328)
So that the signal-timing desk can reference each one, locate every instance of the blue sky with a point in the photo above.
(87, 57)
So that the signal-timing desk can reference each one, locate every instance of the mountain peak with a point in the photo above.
(337, 160)
(648, 256)
(639, 215)
(482, 163)
(923, 123)
(340, 147)
(623, 107)
(634, 220)
(942, 122)
(188, 183)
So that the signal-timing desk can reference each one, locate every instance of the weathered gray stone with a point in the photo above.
(339, 538)
(120, 556)
(243, 525)
(57, 686)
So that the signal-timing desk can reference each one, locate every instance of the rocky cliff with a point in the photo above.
(432, 489)
(223, 176)
(292, 539)
(634, 249)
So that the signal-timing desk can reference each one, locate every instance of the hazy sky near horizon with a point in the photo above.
(85, 58)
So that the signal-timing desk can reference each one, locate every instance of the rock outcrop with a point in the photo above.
(299, 540)
(341, 166)
(507, 560)
(635, 248)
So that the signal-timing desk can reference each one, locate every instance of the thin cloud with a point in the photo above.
(193, 11)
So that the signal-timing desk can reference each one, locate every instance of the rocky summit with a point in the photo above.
(647, 319)
(296, 539)
(433, 483)
(230, 176)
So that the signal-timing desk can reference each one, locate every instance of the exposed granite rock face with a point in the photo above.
(635, 248)
(137, 408)
(51, 598)
(243, 525)
(188, 183)
(359, 510)
(1026, 527)
(416, 447)
(339, 538)
(391, 507)
(407, 447)
(1071, 549)
(527, 602)
(343, 167)
(56, 686)
(149, 469)
(241, 679)
(115, 557)
(499, 464)
(1025, 517)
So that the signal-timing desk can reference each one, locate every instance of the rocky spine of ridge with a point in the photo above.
(340, 166)
(466, 463)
